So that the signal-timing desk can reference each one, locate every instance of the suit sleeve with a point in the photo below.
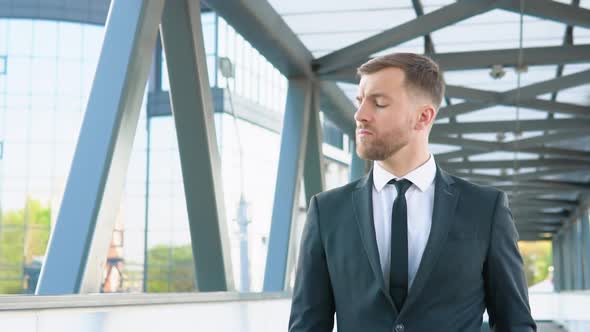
(312, 306)
(505, 283)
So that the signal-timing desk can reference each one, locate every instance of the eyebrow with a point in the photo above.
(374, 95)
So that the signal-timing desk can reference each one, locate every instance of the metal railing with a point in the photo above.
(176, 312)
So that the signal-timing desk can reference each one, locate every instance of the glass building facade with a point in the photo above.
(46, 73)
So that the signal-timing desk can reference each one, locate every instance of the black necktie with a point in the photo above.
(398, 271)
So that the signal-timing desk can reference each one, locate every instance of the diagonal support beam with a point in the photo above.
(440, 18)
(268, 33)
(551, 10)
(546, 202)
(533, 175)
(471, 147)
(445, 129)
(358, 166)
(556, 84)
(539, 221)
(338, 107)
(549, 138)
(313, 171)
(192, 109)
(290, 170)
(531, 227)
(540, 215)
(480, 99)
(428, 44)
(79, 243)
(493, 164)
(535, 56)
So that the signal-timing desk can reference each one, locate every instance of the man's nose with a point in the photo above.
(361, 114)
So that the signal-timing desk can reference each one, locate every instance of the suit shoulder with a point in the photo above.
(478, 190)
(337, 193)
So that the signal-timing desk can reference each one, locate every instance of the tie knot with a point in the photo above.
(401, 185)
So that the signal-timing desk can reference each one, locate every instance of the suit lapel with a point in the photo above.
(363, 210)
(445, 202)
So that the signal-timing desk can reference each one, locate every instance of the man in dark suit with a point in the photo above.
(407, 248)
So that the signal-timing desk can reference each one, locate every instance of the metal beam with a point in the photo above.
(577, 252)
(480, 99)
(428, 44)
(192, 109)
(265, 29)
(537, 174)
(510, 190)
(313, 171)
(521, 177)
(586, 248)
(547, 202)
(338, 107)
(549, 138)
(290, 170)
(261, 26)
(550, 10)
(509, 97)
(492, 164)
(535, 205)
(523, 220)
(533, 104)
(532, 223)
(533, 237)
(573, 185)
(552, 85)
(472, 147)
(357, 165)
(554, 107)
(539, 229)
(440, 18)
(521, 209)
(535, 196)
(78, 247)
(557, 262)
(535, 56)
(445, 129)
(545, 185)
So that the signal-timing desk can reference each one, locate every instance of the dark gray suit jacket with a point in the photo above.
(471, 262)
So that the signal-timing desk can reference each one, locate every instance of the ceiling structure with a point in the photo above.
(526, 130)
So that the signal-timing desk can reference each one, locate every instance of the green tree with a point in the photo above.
(24, 234)
(537, 257)
(170, 269)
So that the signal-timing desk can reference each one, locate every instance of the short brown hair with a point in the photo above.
(421, 72)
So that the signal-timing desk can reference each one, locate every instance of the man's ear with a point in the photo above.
(426, 115)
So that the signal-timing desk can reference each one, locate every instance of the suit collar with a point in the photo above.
(446, 197)
(421, 177)
(362, 198)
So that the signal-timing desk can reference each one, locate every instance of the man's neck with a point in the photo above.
(401, 164)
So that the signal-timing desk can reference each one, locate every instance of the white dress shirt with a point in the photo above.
(420, 201)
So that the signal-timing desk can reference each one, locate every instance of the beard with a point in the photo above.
(374, 147)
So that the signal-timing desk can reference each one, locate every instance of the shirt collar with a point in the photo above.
(421, 177)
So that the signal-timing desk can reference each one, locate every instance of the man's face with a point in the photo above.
(386, 115)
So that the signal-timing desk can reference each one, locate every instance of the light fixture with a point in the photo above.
(226, 67)
(497, 72)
